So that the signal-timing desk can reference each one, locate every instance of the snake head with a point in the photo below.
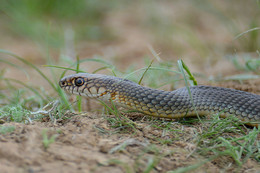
(84, 84)
(74, 84)
(72, 80)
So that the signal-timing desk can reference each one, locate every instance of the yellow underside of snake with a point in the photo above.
(201, 100)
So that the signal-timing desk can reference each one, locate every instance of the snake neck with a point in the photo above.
(127, 93)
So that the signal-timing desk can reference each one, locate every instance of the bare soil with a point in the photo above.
(86, 143)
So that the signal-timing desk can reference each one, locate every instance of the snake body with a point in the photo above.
(202, 100)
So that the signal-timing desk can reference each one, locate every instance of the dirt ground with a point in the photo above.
(86, 142)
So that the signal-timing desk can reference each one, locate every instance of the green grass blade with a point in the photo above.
(31, 65)
(241, 77)
(27, 86)
(97, 60)
(149, 66)
(65, 68)
(79, 98)
(154, 53)
(183, 67)
(14, 65)
(245, 32)
(101, 68)
(191, 167)
(63, 98)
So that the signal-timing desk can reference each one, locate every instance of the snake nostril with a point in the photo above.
(62, 83)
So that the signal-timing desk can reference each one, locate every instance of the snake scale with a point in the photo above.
(179, 103)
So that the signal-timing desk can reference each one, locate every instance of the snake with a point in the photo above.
(180, 103)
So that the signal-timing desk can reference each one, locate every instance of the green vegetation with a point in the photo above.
(6, 129)
(119, 122)
(47, 140)
(216, 139)
(14, 113)
(48, 20)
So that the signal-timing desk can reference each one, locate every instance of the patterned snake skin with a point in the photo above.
(167, 104)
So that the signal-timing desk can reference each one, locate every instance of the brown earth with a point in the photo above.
(86, 143)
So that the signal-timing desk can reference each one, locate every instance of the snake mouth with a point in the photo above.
(65, 82)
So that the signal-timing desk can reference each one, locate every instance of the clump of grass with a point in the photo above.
(47, 141)
(144, 161)
(150, 157)
(190, 167)
(151, 164)
(253, 65)
(20, 102)
(120, 122)
(228, 137)
(246, 62)
(14, 113)
(125, 166)
(6, 129)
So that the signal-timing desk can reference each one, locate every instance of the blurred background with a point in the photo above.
(214, 38)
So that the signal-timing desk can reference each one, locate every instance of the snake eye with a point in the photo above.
(79, 82)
